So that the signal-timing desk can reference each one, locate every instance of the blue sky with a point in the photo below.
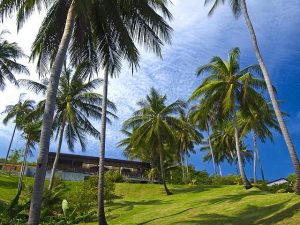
(196, 39)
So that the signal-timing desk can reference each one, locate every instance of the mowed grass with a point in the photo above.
(207, 205)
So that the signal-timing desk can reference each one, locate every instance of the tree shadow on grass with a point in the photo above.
(8, 184)
(249, 216)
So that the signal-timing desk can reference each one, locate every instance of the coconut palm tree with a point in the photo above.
(9, 54)
(229, 88)
(204, 119)
(16, 112)
(101, 33)
(240, 7)
(258, 122)
(31, 131)
(76, 103)
(155, 124)
(187, 137)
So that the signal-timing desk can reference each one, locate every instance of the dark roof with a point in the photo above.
(85, 157)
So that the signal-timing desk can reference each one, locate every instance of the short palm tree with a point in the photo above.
(187, 137)
(9, 54)
(76, 103)
(155, 125)
(17, 112)
(204, 118)
(258, 122)
(238, 7)
(98, 32)
(229, 88)
(31, 131)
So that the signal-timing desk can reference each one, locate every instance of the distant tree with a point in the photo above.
(9, 54)
(155, 125)
(17, 112)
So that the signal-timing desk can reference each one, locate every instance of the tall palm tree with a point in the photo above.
(240, 7)
(16, 112)
(230, 88)
(9, 54)
(155, 124)
(258, 122)
(76, 103)
(204, 119)
(101, 33)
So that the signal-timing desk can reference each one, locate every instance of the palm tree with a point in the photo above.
(238, 7)
(155, 125)
(75, 103)
(31, 133)
(228, 88)
(16, 112)
(102, 33)
(9, 54)
(204, 119)
(187, 137)
(258, 122)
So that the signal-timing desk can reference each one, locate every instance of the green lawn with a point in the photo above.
(147, 204)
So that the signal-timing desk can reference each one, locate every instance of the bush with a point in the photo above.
(281, 188)
(114, 176)
(227, 180)
(85, 197)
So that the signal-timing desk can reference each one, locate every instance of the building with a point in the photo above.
(277, 182)
(77, 167)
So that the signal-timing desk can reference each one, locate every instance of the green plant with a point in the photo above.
(114, 176)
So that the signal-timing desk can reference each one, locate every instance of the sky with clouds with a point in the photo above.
(196, 39)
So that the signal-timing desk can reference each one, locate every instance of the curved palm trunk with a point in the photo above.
(101, 212)
(42, 160)
(278, 113)
(211, 150)
(61, 134)
(260, 165)
(23, 167)
(247, 184)
(162, 171)
(10, 143)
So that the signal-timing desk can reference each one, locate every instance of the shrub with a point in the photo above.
(84, 198)
(114, 176)
(281, 188)
(227, 180)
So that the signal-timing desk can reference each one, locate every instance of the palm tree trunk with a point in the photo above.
(182, 167)
(275, 105)
(260, 165)
(187, 166)
(101, 212)
(57, 155)
(254, 156)
(162, 171)
(220, 169)
(42, 160)
(247, 184)
(211, 150)
(22, 171)
(10, 143)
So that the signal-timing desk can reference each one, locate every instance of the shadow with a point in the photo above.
(286, 213)
(249, 216)
(194, 189)
(8, 184)
(129, 205)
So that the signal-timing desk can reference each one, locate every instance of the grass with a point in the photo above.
(207, 205)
